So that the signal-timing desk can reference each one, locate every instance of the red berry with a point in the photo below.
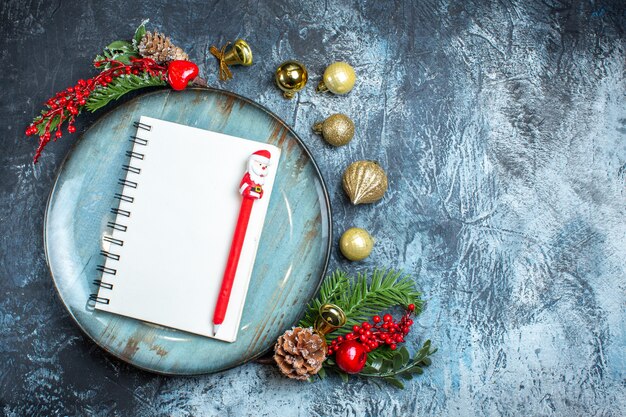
(351, 356)
(387, 318)
(82, 102)
(349, 336)
(409, 323)
(356, 327)
(366, 325)
(393, 346)
(362, 331)
(58, 134)
(411, 307)
(340, 339)
(71, 128)
(385, 326)
(330, 351)
(376, 319)
(108, 79)
(367, 348)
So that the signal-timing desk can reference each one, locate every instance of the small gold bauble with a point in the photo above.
(291, 77)
(364, 182)
(356, 244)
(339, 78)
(337, 129)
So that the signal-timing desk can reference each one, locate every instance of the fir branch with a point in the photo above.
(361, 301)
(120, 86)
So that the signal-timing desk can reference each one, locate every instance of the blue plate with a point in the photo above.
(290, 264)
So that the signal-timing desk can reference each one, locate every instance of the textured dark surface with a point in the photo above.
(503, 130)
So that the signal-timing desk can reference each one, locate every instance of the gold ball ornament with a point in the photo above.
(291, 77)
(364, 182)
(337, 129)
(339, 78)
(356, 244)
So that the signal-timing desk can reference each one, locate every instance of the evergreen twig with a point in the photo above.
(361, 300)
(120, 86)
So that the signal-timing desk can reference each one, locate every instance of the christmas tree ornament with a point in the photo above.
(181, 73)
(291, 77)
(300, 353)
(330, 318)
(239, 54)
(351, 357)
(339, 78)
(159, 47)
(356, 244)
(337, 129)
(364, 182)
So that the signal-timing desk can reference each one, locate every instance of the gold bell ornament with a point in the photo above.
(239, 54)
(331, 317)
(291, 77)
(356, 244)
(337, 129)
(339, 78)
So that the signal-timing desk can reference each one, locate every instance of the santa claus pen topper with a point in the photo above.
(251, 189)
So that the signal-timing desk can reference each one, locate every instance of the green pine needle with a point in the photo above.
(360, 300)
(120, 86)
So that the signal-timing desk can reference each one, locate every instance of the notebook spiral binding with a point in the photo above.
(114, 225)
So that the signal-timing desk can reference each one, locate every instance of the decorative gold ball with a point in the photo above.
(356, 244)
(364, 182)
(337, 129)
(339, 78)
(291, 77)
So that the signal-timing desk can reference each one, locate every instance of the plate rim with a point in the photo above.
(71, 151)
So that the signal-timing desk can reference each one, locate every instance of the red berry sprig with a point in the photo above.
(67, 104)
(383, 331)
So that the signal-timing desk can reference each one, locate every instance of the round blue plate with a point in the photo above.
(290, 264)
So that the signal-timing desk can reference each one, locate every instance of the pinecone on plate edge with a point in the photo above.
(300, 353)
(159, 47)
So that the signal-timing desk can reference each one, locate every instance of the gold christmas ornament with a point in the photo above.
(339, 78)
(291, 77)
(239, 54)
(356, 244)
(337, 129)
(364, 182)
(331, 317)
(300, 353)
(159, 47)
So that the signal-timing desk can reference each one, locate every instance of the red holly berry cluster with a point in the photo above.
(382, 332)
(67, 104)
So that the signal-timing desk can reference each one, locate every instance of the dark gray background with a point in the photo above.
(502, 126)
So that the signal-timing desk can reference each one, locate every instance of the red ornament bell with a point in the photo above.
(351, 356)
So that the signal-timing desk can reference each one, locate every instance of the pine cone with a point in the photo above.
(159, 47)
(299, 353)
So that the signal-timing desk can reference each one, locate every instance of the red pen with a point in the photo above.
(251, 189)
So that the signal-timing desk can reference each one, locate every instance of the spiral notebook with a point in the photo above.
(164, 254)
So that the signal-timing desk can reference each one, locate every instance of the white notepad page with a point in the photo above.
(181, 223)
